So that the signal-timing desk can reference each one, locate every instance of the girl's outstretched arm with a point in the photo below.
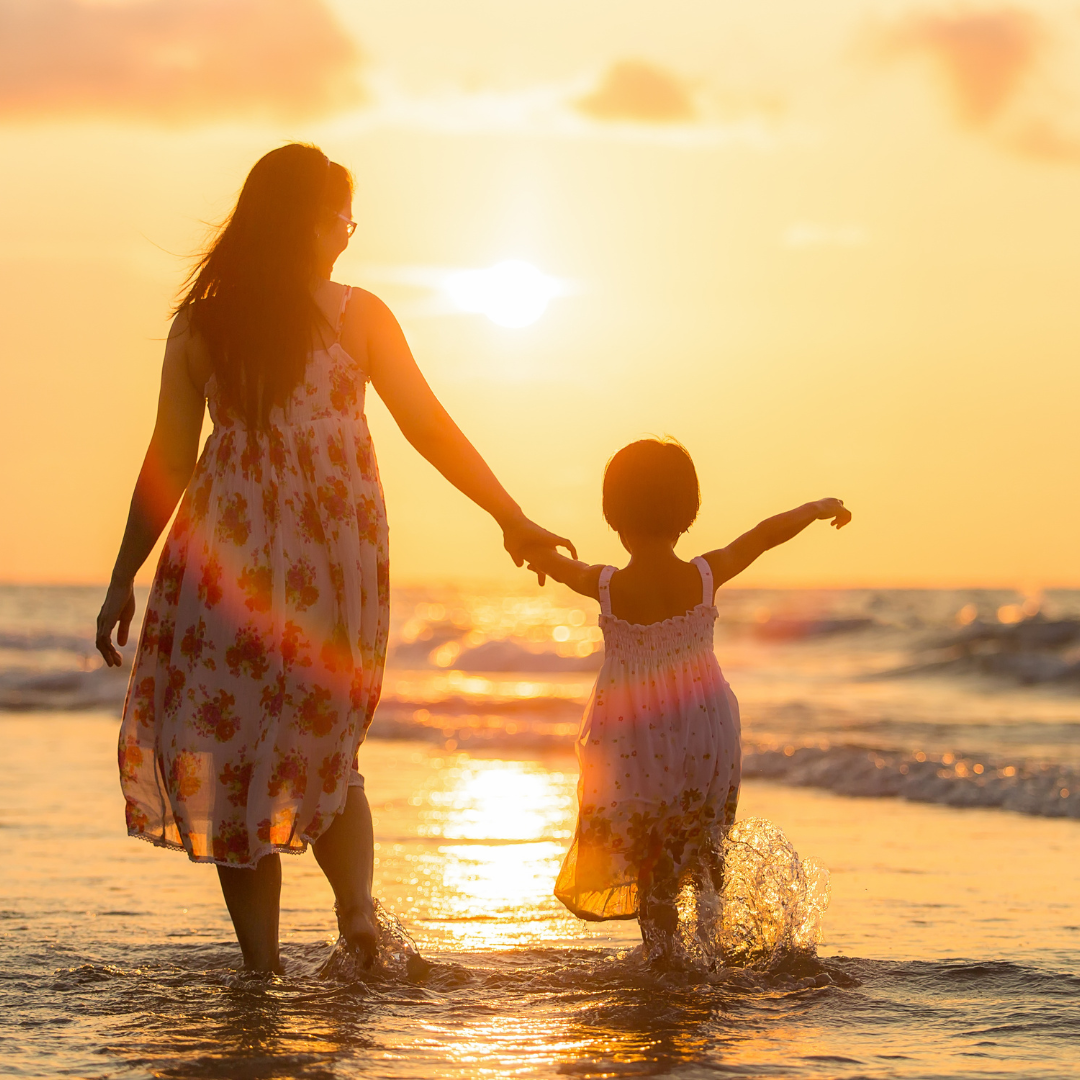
(579, 576)
(728, 561)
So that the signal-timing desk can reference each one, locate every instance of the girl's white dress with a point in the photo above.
(660, 756)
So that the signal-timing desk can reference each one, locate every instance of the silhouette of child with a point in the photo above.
(659, 744)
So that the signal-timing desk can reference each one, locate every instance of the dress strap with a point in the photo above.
(705, 570)
(341, 314)
(605, 589)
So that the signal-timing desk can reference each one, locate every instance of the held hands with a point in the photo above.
(832, 508)
(119, 607)
(520, 534)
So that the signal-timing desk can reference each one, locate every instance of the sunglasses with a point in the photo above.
(350, 225)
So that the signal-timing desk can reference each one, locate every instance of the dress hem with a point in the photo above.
(591, 916)
(268, 849)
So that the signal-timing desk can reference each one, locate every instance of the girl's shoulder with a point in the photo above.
(642, 599)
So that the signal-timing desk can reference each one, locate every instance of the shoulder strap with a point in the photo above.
(341, 314)
(705, 570)
(605, 589)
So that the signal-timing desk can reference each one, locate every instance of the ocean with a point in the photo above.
(922, 745)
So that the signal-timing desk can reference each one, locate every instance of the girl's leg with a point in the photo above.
(711, 863)
(658, 916)
(707, 878)
(253, 898)
(346, 853)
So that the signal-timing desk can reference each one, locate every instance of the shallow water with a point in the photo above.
(959, 928)
(925, 695)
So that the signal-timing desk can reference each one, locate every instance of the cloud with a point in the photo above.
(174, 61)
(550, 110)
(637, 91)
(198, 61)
(1045, 139)
(984, 56)
(997, 65)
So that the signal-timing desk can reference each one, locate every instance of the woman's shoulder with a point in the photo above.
(370, 332)
(363, 311)
(359, 317)
(358, 298)
(190, 346)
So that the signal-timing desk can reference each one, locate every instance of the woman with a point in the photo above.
(261, 657)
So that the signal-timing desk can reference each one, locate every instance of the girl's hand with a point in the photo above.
(520, 534)
(119, 607)
(835, 509)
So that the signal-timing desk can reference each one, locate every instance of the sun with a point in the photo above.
(510, 293)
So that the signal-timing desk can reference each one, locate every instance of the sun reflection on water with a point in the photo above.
(492, 834)
(499, 800)
(490, 880)
(515, 817)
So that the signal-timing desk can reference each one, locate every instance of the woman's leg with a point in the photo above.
(346, 853)
(253, 898)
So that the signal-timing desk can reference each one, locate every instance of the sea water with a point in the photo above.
(921, 746)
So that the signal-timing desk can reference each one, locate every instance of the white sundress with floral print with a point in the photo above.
(261, 655)
(659, 750)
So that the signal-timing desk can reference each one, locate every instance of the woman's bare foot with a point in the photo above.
(360, 929)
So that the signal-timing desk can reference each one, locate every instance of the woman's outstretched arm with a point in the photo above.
(728, 561)
(429, 427)
(167, 468)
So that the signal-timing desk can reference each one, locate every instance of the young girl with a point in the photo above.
(659, 745)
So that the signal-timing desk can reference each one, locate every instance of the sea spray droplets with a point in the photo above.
(397, 958)
(773, 901)
(768, 913)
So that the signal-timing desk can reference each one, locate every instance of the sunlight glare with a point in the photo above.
(511, 293)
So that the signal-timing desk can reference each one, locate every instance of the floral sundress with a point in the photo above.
(659, 749)
(261, 656)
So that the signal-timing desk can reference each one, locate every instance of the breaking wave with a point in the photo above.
(1041, 789)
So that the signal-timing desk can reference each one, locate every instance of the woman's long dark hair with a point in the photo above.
(249, 297)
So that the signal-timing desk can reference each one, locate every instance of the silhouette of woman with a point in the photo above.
(261, 656)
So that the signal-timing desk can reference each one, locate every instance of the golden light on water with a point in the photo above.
(490, 880)
(491, 835)
(1008, 614)
(501, 876)
(499, 801)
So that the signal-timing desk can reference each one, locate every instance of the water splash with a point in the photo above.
(763, 911)
(396, 957)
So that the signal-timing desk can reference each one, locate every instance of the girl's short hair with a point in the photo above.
(651, 487)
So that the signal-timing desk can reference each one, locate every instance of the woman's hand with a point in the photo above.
(119, 607)
(835, 509)
(520, 534)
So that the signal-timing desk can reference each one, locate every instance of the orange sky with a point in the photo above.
(832, 251)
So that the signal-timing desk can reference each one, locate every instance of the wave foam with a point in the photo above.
(1044, 790)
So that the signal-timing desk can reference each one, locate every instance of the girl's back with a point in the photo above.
(644, 594)
(659, 751)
